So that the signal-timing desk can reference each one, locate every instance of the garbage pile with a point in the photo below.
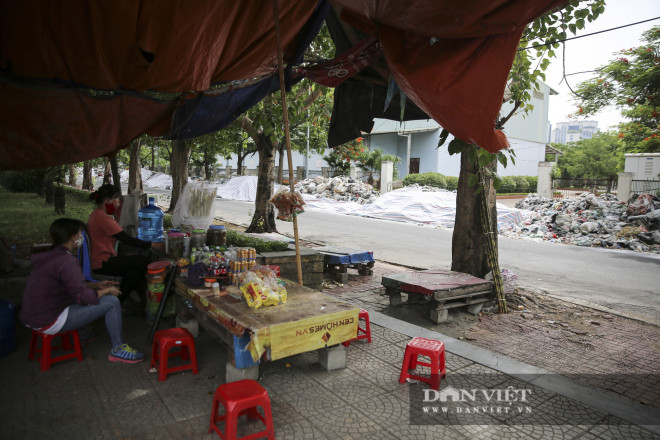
(340, 188)
(590, 220)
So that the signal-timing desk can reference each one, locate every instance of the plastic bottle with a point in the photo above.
(151, 222)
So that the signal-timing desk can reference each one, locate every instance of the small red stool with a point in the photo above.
(362, 333)
(242, 397)
(435, 350)
(45, 352)
(164, 340)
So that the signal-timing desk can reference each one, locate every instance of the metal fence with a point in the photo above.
(572, 187)
(645, 186)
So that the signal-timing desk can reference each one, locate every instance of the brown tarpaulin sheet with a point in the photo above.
(460, 77)
(126, 46)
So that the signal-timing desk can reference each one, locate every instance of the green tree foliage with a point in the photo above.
(341, 157)
(537, 48)
(371, 161)
(631, 83)
(597, 158)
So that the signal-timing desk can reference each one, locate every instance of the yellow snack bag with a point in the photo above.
(252, 294)
(269, 297)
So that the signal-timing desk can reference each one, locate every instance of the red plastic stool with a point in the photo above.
(242, 397)
(45, 351)
(435, 350)
(164, 340)
(362, 333)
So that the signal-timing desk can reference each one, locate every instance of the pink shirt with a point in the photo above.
(101, 228)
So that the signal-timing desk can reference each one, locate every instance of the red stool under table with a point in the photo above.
(238, 398)
(164, 340)
(435, 350)
(362, 333)
(45, 351)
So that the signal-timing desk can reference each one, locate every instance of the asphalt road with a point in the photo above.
(625, 282)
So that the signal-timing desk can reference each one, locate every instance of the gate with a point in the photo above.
(570, 188)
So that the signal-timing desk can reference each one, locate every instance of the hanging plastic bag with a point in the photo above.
(196, 206)
(288, 204)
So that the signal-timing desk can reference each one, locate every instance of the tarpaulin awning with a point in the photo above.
(80, 79)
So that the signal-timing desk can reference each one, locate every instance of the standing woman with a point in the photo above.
(104, 232)
(57, 298)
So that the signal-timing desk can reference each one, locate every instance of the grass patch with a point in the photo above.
(25, 217)
(240, 240)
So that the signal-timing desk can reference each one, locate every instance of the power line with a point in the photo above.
(588, 35)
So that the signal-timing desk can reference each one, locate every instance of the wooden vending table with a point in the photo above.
(308, 321)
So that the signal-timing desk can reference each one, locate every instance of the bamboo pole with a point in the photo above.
(285, 111)
(491, 248)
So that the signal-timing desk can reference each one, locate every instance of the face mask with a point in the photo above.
(110, 208)
(79, 242)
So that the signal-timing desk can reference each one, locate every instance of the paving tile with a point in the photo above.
(383, 373)
(454, 362)
(391, 353)
(347, 384)
(289, 382)
(346, 422)
(613, 428)
(298, 429)
(186, 396)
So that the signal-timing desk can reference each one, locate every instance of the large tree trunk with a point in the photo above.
(87, 176)
(469, 241)
(107, 172)
(263, 219)
(72, 174)
(280, 171)
(116, 180)
(179, 168)
(134, 167)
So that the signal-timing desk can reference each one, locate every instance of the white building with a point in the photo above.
(570, 132)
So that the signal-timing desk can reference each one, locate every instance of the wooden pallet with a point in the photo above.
(442, 289)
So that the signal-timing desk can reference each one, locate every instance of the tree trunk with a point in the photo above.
(72, 174)
(153, 158)
(179, 168)
(280, 171)
(107, 172)
(116, 180)
(87, 176)
(469, 241)
(264, 215)
(239, 161)
(207, 166)
(59, 200)
(134, 167)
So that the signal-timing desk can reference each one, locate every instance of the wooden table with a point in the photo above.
(308, 321)
(444, 288)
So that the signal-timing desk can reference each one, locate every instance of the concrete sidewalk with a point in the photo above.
(97, 399)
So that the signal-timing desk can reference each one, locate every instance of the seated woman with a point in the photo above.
(58, 299)
(104, 232)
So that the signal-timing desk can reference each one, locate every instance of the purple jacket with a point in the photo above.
(55, 283)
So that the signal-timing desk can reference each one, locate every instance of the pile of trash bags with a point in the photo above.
(590, 220)
(341, 188)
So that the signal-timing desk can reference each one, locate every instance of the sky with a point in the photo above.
(590, 52)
